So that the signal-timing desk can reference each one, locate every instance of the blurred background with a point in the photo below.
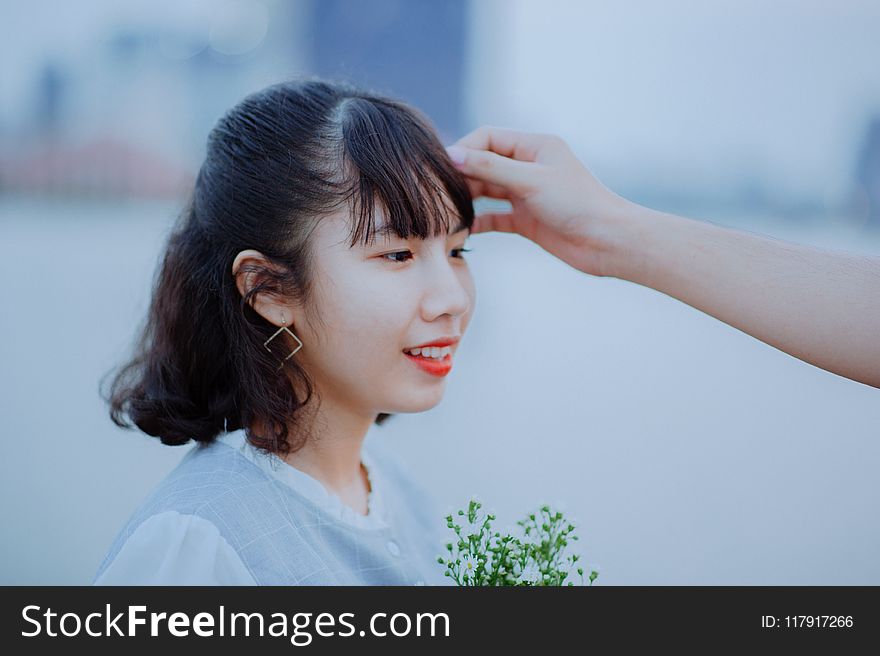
(685, 451)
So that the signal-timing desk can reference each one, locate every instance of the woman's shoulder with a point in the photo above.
(209, 474)
(171, 548)
(212, 486)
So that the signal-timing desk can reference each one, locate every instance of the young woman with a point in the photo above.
(315, 285)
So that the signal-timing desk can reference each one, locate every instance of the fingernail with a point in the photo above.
(457, 154)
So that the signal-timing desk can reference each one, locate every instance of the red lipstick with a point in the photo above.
(433, 367)
(430, 365)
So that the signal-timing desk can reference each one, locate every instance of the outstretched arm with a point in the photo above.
(818, 305)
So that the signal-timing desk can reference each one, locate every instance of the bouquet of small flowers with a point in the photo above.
(537, 557)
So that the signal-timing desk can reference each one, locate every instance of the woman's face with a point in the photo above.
(375, 301)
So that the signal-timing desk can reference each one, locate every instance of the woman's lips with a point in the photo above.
(432, 366)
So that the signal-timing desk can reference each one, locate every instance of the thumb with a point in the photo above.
(492, 168)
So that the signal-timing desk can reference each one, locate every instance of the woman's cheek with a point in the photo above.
(376, 313)
(472, 305)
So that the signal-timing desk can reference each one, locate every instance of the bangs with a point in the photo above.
(393, 161)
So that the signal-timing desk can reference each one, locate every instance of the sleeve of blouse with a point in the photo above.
(170, 548)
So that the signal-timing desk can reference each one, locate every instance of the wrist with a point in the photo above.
(650, 247)
(622, 236)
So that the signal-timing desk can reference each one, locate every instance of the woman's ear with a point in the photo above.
(246, 270)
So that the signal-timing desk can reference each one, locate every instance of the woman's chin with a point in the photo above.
(419, 402)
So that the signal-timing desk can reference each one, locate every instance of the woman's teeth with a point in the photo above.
(434, 352)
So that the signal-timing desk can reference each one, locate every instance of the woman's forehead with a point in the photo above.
(343, 222)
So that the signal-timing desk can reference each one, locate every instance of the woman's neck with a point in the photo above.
(332, 454)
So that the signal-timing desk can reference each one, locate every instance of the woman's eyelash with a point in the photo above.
(409, 253)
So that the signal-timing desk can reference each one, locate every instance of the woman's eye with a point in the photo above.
(409, 253)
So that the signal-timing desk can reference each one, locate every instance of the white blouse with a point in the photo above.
(175, 548)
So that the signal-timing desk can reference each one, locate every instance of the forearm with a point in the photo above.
(820, 306)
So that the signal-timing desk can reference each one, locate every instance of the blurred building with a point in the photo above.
(128, 113)
(413, 50)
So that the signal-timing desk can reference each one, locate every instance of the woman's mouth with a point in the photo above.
(436, 366)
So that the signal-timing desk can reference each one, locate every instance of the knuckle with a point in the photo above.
(476, 137)
(481, 162)
(482, 133)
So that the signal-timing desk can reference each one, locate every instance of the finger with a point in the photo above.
(523, 146)
(480, 189)
(494, 222)
(494, 169)
(497, 191)
(476, 187)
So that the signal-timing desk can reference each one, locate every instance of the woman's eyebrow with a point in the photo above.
(387, 230)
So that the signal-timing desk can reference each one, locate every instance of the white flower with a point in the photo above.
(530, 572)
(468, 566)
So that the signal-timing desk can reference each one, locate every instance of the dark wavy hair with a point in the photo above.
(276, 163)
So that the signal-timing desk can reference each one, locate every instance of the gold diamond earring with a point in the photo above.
(278, 332)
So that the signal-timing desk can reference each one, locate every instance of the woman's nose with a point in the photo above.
(445, 292)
